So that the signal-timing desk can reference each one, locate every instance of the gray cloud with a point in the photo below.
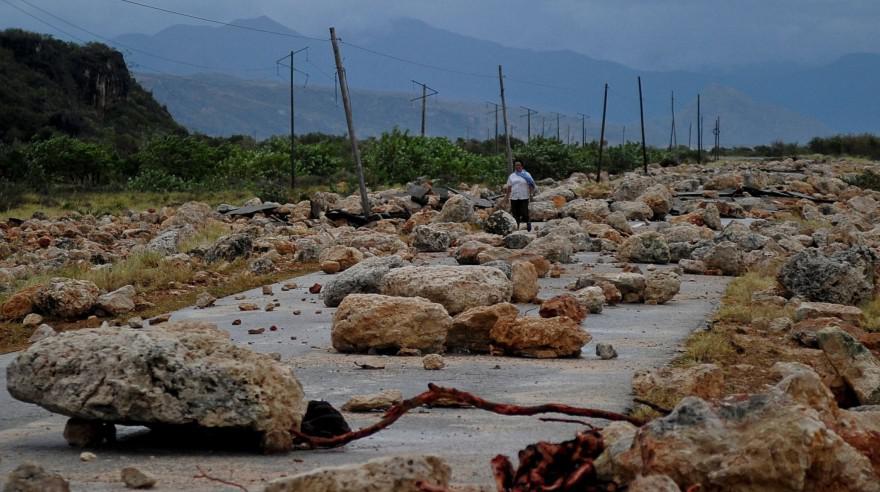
(651, 34)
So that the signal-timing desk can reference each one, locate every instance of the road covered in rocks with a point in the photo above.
(644, 336)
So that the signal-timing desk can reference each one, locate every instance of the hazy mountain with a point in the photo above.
(224, 105)
(839, 95)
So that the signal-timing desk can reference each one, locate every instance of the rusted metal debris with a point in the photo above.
(436, 393)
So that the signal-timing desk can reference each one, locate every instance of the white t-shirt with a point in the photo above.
(519, 187)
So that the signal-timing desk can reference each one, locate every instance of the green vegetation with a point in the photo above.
(737, 306)
(864, 145)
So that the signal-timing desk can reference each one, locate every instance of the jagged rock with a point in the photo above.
(430, 239)
(457, 288)
(363, 278)
(647, 247)
(618, 221)
(591, 210)
(630, 187)
(400, 474)
(373, 402)
(345, 256)
(31, 477)
(470, 329)
(263, 265)
(457, 209)
(542, 211)
(366, 322)
(119, 301)
(228, 248)
(467, 253)
(500, 222)
(605, 351)
(501, 265)
(725, 257)
(518, 240)
(168, 242)
(554, 247)
(661, 286)
(205, 300)
(846, 277)
(703, 380)
(743, 237)
(67, 298)
(633, 210)
(659, 199)
(858, 367)
(32, 319)
(630, 287)
(593, 298)
(134, 478)
(172, 374)
(20, 304)
(42, 331)
(563, 305)
(193, 214)
(540, 337)
(524, 278)
(812, 310)
(307, 250)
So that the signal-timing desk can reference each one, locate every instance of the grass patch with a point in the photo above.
(594, 190)
(871, 310)
(706, 347)
(207, 236)
(737, 306)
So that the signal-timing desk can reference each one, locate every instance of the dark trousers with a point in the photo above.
(520, 211)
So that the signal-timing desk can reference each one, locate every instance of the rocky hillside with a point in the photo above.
(52, 87)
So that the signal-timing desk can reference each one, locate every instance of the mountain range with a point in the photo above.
(756, 104)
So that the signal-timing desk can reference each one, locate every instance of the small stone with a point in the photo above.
(377, 401)
(256, 331)
(330, 267)
(162, 318)
(409, 352)
(267, 290)
(248, 306)
(433, 362)
(137, 479)
(273, 328)
(205, 300)
(297, 312)
(270, 307)
(236, 322)
(605, 351)
(290, 285)
(315, 289)
(87, 456)
(136, 322)
(30, 477)
(44, 242)
(42, 331)
(32, 319)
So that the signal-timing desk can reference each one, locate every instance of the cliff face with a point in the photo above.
(81, 90)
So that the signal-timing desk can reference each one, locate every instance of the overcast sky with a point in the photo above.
(647, 34)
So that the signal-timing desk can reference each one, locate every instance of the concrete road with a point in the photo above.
(645, 336)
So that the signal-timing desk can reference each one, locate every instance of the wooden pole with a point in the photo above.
(292, 132)
(506, 131)
(642, 114)
(356, 153)
(424, 106)
(602, 135)
(699, 134)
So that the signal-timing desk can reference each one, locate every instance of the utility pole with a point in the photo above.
(623, 137)
(424, 97)
(496, 123)
(557, 127)
(542, 126)
(690, 126)
(568, 130)
(602, 135)
(699, 133)
(642, 115)
(292, 113)
(717, 133)
(583, 129)
(673, 138)
(506, 131)
(356, 153)
(528, 116)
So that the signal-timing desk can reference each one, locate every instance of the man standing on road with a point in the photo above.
(519, 188)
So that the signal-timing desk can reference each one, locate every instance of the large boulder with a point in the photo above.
(179, 373)
(363, 278)
(381, 323)
(168, 242)
(500, 222)
(630, 187)
(647, 247)
(540, 337)
(430, 239)
(563, 305)
(67, 298)
(591, 210)
(856, 364)
(725, 257)
(470, 329)
(229, 248)
(457, 209)
(345, 256)
(633, 210)
(542, 211)
(397, 473)
(468, 252)
(592, 298)
(524, 277)
(659, 199)
(457, 288)
(702, 380)
(20, 304)
(661, 286)
(194, 214)
(554, 247)
(119, 301)
(846, 277)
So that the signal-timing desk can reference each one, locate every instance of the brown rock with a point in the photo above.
(315, 289)
(81, 433)
(704, 381)
(137, 479)
(371, 403)
(470, 329)
(248, 306)
(525, 281)
(433, 362)
(812, 310)
(20, 304)
(540, 337)
(44, 242)
(563, 305)
(345, 256)
(330, 267)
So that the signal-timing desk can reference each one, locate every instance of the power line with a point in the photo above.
(229, 24)
(131, 48)
(62, 31)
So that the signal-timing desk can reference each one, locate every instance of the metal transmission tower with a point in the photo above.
(278, 62)
(528, 116)
(495, 111)
(424, 98)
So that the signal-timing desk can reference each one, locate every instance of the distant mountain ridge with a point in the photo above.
(840, 96)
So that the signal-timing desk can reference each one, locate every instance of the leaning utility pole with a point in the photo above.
(583, 128)
(292, 113)
(424, 97)
(343, 87)
(673, 138)
(642, 115)
(602, 135)
(699, 133)
(506, 131)
(528, 116)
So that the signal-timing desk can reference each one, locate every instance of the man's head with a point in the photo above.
(518, 165)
